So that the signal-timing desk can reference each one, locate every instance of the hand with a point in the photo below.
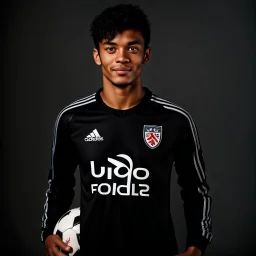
(54, 245)
(191, 251)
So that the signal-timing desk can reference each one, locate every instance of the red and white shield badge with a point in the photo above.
(152, 135)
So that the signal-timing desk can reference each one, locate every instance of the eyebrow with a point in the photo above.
(130, 43)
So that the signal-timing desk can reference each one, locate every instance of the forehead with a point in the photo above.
(126, 36)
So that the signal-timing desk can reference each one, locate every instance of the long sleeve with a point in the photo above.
(190, 168)
(61, 179)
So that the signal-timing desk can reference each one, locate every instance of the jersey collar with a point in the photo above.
(118, 112)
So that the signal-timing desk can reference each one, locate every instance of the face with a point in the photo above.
(121, 59)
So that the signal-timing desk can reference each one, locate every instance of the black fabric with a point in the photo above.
(125, 177)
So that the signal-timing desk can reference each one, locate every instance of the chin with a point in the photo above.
(122, 84)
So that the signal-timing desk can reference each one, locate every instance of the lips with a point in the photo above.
(121, 70)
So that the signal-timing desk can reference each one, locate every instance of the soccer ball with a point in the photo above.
(68, 228)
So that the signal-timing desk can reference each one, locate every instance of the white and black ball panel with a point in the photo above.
(77, 220)
(66, 223)
(68, 228)
(68, 220)
(76, 228)
(69, 237)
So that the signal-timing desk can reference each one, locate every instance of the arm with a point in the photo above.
(190, 168)
(61, 179)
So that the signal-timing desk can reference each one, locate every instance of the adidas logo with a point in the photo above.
(93, 136)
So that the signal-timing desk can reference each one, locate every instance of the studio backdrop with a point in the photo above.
(202, 60)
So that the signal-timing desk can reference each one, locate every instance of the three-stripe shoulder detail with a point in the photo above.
(169, 105)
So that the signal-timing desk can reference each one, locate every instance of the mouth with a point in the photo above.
(121, 70)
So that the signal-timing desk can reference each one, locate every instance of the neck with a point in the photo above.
(122, 98)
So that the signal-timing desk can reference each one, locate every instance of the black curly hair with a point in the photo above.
(118, 18)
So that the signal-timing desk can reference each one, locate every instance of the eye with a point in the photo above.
(110, 49)
(133, 49)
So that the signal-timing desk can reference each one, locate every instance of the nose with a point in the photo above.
(122, 57)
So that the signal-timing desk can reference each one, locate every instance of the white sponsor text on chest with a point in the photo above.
(129, 189)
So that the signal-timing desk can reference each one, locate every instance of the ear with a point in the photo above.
(96, 56)
(147, 55)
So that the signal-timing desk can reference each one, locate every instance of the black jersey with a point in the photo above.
(125, 158)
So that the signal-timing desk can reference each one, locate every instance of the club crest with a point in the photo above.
(152, 135)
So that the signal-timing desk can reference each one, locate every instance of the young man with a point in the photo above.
(125, 140)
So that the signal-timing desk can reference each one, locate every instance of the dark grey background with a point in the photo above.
(202, 60)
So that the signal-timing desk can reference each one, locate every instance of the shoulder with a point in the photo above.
(182, 117)
(67, 113)
(171, 108)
